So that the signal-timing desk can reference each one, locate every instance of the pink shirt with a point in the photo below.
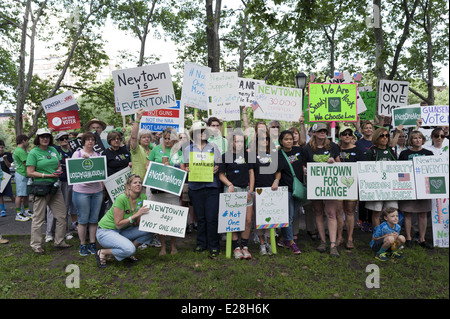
(89, 188)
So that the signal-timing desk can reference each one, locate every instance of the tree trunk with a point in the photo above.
(212, 33)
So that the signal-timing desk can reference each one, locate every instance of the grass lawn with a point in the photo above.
(422, 274)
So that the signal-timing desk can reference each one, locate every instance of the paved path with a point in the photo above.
(8, 224)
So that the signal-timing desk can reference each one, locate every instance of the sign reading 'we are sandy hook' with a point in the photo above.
(148, 87)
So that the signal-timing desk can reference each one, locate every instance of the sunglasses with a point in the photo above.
(322, 131)
(346, 134)
(384, 135)
(64, 138)
(438, 136)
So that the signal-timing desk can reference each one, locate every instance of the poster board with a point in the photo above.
(392, 95)
(407, 116)
(164, 219)
(247, 90)
(277, 103)
(333, 102)
(431, 176)
(434, 115)
(332, 181)
(165, 178)
(115, 184)
(271, 207)
(386, 181)
(195, 80)
(232, 212)
(223, 97)
(160, 119)
(86, 170)
(147, 87)
(440, 222)
(201, 167)
(4, 179)
(62, 102)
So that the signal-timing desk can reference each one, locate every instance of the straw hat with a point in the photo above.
(102, 124)
(199, 126)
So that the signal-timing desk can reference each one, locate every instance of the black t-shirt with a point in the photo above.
(117, 160)
(295, 157)
(354, 154)
(408, 155)
(10, 159)
(264, 169)
(64, 156)
(236, 171)
(321, 155)
(378, 154)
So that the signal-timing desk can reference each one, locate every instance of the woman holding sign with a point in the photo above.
(320, 149)
(421, 206)
(201, 162)
(163, 154)
(237, 176)
(87, 198)
(118, 230)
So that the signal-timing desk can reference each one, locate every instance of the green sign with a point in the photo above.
(332, 102)
(370, 100)
(165, 178)
(86, 170)
(407, 116)
(201, 167)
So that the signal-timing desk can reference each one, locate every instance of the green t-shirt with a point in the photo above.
(157, 154)
(45, 162)
(139, 161)
(20, 158)
(123, 203)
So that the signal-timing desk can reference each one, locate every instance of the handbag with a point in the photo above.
(42, 188)
(299, 189)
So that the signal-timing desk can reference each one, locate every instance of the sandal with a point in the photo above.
(349, 245)
(133, 259)
(101, 262)
(313, 235)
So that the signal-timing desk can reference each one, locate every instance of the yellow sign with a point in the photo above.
(201, 167)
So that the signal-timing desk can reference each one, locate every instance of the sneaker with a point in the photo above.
(322, 247)
(246, 253)
(3, 241)
(21, 218)
(83, 250)
(155, 242)
(283, 243)
(3, 213)
(334, 252)
(269, 249)
(68, 236)
(382, 256)
(408, 243)
(28, 213)
(426, 245)
(238, 253)
(397, 255)
(214, 253)
(262, 250)
(92, 248)
(295, 249)
(48, 238)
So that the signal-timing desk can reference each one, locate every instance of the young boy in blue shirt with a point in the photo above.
(386, 236)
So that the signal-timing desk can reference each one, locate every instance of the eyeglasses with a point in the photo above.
(384, 135)
(274, 127)
(438, 136)
(64, 138)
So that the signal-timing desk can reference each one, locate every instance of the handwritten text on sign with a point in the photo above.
(164, 219)
(272, 207)
(195, 80)
(232, 211)
(223, 97)
(434, 115)
(391, 95)
(386, 180)
(278, 103)
(148, 87)
(332, 102)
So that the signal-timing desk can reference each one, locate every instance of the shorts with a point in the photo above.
(377, 206)
(21, 185)
(377, 245)
(240, 190)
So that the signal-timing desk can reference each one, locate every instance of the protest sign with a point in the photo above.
(247, 90)
(148, 87)
(332, 181)
(115, 184)
(434, 115)
(160, 119)
(164, 219)
(407, 116)
(232, 212)
(86, 170)
(370, 101)
(64, 120)
(332, 102)
(195, 79)
(223, 97)
(201, 167)
(61, 102)
(271, 207)
(392, 95)
(440, 222)
(386, 180)
(165, 178)
(431, 176)
(277, 103)
(4, 179)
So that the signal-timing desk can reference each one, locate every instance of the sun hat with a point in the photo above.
(102, 124)
(319, 126)
(61, 134)
(199, 126)
(43, 131)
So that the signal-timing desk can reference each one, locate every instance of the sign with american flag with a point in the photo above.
(148, 87)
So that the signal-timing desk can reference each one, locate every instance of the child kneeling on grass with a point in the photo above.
(386, 236)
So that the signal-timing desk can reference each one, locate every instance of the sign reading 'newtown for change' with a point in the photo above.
(86, 170)
(165, 178)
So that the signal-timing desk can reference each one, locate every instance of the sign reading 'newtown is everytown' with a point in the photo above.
(86, 170)
(165, 178)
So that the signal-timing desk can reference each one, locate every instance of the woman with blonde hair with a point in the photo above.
(118, 231)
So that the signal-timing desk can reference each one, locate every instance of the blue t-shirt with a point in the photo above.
(384, 229)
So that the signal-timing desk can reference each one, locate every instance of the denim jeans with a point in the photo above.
(294, 206)
(206, 209)
(120, 241)
(88, 206)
